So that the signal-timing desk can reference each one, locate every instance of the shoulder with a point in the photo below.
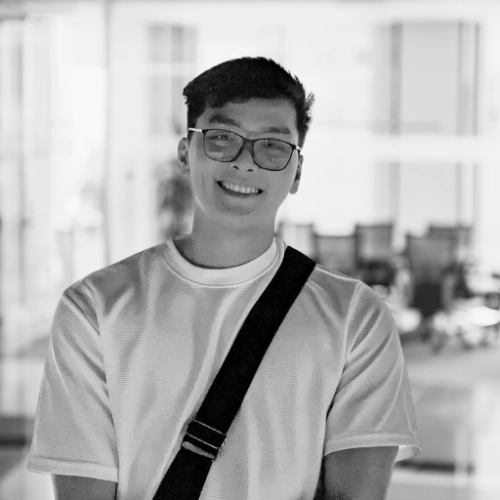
(118, 278)
(343, 294)
(357, 294)
(342, 290)
(351, 303)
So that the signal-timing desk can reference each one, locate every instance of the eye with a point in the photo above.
(221, 137)
(275, 146)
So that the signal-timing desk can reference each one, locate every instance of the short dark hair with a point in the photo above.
(240, 80)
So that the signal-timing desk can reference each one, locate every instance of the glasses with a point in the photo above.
(223, 145)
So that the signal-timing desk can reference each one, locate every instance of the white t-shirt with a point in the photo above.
(134, 348)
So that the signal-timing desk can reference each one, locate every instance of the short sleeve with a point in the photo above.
(372, 405)
(73, 432)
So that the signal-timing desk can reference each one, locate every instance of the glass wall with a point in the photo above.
(53, 83)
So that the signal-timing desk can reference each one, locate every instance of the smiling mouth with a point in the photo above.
(238, 190)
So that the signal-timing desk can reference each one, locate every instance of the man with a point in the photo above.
(135, 346)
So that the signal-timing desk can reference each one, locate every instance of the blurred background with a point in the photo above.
(400, 185)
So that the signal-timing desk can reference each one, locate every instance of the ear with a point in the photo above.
(298, 174)
(183, 156)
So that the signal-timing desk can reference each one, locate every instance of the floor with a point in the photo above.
(457, 401)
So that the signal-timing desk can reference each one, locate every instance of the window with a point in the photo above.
(172, 57)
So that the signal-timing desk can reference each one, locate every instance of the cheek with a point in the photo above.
(282, 188)
(290, 179)
(199, 183)
(202, 177)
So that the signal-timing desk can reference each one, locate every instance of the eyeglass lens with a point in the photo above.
(272, 154)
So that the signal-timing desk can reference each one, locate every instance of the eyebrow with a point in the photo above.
(225, 120)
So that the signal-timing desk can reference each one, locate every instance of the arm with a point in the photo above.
(74, 432)
(83, 488)
(358, 473)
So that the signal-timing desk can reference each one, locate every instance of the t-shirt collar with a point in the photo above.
(227, 276)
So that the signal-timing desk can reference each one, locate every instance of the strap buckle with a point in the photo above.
(204, 440)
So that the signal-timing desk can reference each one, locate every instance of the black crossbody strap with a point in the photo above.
(207, 433)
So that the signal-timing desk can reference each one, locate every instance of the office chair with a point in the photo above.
(430, 261)
(461, 235)
(375, 254)
(337, 252)
(436, 282)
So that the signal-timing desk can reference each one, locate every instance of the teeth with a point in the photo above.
(239, 189)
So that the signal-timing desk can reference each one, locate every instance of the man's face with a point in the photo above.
(254, 119)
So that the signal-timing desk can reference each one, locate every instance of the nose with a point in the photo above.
(244, 161)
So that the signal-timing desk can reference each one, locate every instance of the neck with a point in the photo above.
(223, 247)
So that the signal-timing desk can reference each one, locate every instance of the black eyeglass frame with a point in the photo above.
(252, 149)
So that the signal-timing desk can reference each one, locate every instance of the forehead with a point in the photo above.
(255, 116)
